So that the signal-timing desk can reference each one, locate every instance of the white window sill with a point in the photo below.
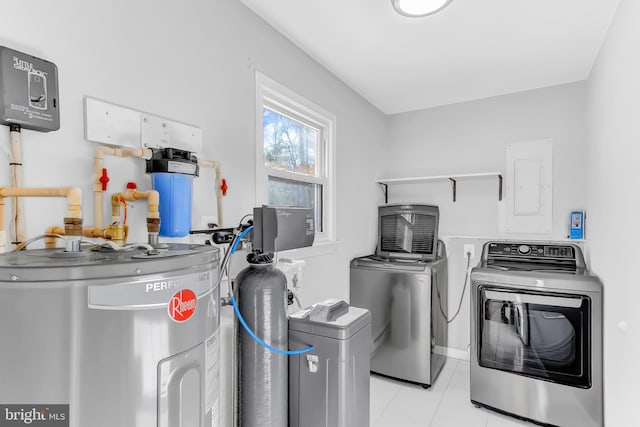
(318, 249)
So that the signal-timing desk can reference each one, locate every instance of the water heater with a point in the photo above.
(110, 339)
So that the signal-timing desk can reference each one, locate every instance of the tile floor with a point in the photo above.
(445, 404)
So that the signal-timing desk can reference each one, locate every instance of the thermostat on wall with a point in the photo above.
(28, 91)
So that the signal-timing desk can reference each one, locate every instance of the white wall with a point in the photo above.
(471, 137)
(613, 204)
(193, 61)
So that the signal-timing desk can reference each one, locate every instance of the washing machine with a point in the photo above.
(536, 334)
(110, 338)
(407, 299)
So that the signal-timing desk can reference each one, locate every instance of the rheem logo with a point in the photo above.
(182, 305)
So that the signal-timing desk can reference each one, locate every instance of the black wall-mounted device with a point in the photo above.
(282, 228)
(28, 91)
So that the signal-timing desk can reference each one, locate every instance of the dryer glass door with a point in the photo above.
(535, 334)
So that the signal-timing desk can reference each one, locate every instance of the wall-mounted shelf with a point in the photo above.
(452, 178)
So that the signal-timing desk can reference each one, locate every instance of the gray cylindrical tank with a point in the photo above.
(263, 375)
(111, 339)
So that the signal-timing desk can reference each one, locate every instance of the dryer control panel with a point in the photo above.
(530, 250)
(533, 256)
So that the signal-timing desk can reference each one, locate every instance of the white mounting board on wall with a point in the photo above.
(158, 132)
(529, 185)
(112, 124)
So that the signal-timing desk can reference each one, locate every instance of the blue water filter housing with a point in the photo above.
(172, 172)
(175, 191)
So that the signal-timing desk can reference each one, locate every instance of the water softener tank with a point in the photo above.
(263, 374)
(110, 339)
(172, 173)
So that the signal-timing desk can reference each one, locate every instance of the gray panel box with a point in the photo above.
(28, 91)
(329, 386)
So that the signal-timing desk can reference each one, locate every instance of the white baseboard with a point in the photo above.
(454, 353)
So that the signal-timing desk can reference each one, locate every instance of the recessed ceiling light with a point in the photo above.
(417, 8)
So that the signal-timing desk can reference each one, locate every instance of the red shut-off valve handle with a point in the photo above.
(224, 187)
(104, 179)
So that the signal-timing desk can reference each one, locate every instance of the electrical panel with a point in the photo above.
(28, 91)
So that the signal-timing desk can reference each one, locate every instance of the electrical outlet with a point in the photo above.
(470, 249)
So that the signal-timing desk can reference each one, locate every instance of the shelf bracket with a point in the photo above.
(453, 187)
(385, 189)
(500, 187)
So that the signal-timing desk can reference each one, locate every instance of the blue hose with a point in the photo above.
(236, 242)
(244, 324)
(259, 341)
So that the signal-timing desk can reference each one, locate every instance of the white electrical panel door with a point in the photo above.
(529, 185)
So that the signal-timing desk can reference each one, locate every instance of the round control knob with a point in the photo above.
(524, 249)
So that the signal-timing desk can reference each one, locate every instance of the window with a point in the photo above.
(295, 149)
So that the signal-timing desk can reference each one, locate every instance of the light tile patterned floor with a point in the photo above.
(445, 404)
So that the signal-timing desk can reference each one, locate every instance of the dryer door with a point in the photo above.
(536, 334)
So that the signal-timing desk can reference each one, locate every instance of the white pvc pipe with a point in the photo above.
(218, 184)
(73, 195)
(16, 182)
(101, 151)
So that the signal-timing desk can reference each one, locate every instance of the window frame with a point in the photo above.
(274, 96)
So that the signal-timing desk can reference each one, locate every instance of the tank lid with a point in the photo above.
(331, 319)
(377, 262)
(46, 265)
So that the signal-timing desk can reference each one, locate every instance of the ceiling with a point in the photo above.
(472, 49)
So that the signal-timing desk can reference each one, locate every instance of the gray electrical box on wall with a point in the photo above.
(28, 91)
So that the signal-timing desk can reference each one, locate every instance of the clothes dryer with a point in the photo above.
(536, 334)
